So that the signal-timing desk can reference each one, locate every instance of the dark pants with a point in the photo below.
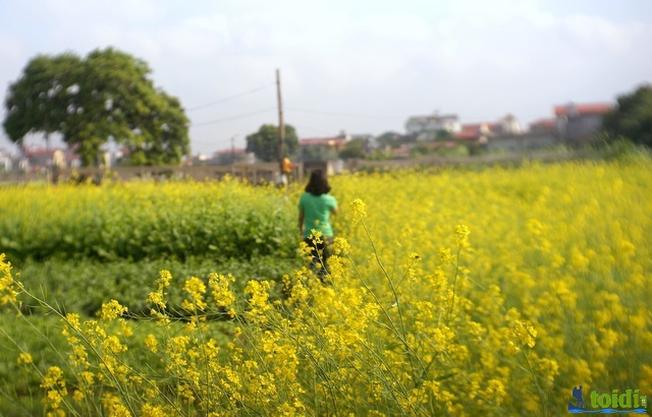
(320, 253)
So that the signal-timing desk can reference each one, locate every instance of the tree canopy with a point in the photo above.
(90, 101)
(632, 118)
(264, 143)
(355, 148)
(391, 139)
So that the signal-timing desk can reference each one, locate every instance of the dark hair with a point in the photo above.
(318, 183)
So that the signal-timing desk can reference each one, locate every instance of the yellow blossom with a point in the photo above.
(8, 287)
(359, 209)
(195, 288)
(112, 310)
(25, 358)
(151, 343)
(341, 246)
(150, 410)
(222, 294)
(114, 406)
(158, 296)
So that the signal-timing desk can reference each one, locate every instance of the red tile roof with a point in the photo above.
(470, 131)
(545, 123)
(334, 141)
(582, 109)
(237, 151)
(35, 152)
(402, 151)
(38, 153)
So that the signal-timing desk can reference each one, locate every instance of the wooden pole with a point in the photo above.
(281, 123)
(232, 154)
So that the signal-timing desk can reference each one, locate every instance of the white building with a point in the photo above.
(433, 123)
(578, 123)
(5, 160)
(507, 125)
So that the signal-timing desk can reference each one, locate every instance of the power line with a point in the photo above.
(231, 97)
(315, 130)
(338, 114)
(235, 117)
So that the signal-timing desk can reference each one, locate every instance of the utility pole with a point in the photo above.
(281, 123)
(232, 155)
(232, 150)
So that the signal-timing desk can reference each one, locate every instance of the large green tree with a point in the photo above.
(264, 143)
(632, 117)
(105, 96)
(354, 149)
(391, 139)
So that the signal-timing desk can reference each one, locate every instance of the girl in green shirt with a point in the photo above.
(315, 208)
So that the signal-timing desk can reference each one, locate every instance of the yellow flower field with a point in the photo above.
(451, 293)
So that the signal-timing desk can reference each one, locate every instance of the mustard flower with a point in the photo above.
(358, 209)
(8, 287)
(112, 310)
(195, 288)
(24, 358)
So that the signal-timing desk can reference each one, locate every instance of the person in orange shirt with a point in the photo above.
(286, 169)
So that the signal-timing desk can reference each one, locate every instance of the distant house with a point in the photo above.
(505, 134)
(479, 133)
(548, 126)
(200, 159)
(474, 133)
(368, 141)
(5, 160)
(401, 152)
(577, 123)
(507, 125)
(233, 156)
(330, 167)
(322, 149)
(522, 142)
(38, 158)
(428, 127)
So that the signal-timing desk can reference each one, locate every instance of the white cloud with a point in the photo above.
(92, 11)
(481, 59)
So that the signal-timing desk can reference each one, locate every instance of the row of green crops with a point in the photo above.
(145, 220)
(82, 286)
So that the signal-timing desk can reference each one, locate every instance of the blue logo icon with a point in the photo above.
(628, 401)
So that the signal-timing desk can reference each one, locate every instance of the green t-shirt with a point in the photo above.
(317, 213)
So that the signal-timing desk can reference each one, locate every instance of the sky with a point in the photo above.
(361, 66)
